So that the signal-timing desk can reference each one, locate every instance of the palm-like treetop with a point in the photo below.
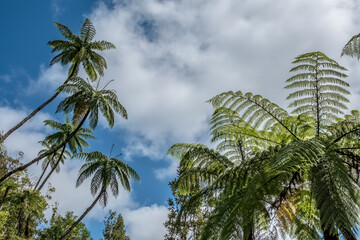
(76, 143)
(107, 172)
(51, 159)
(87, 100)
(80, 50)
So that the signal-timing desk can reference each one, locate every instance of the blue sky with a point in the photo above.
(171, 57)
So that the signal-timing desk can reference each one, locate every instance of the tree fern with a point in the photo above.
(273, 174)
(322, 88)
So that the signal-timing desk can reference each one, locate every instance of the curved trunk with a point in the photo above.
(42, 174)
(53, 169)
(13, 129)
(35, 160)
(83, 215)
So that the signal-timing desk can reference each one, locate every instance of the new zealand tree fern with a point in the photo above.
(273, 173)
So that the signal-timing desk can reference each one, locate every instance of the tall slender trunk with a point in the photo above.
(46, 153)
(13, 129)
(83, 215)
(52, 169)
(27, 228)
(42, 174)
(20, 220)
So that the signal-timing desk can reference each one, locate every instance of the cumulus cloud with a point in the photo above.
(24, 139)
(146, 222)
(48, 80)
(167, 172)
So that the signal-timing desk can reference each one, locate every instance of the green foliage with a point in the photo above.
(107, 172)
(114, 227)
(255, 110)
(21, 209)
(76, 143)
(189, 225)
(80, 50)
(322, 88)
(273, 174)
(59, 223)
(87, 99)
(51, 159)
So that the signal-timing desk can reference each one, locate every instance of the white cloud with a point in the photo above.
(146, 223)
(26, 138)
(169, 171)
(189, 51)
(48, 80)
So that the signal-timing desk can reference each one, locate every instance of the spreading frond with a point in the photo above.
(65, 31)
(252, 108)
(87, 31)
(106, 173)
(321, 85)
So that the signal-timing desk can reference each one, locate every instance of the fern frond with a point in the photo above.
(252, 108)
(335, 194)
(321, 80)
(352, 47)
